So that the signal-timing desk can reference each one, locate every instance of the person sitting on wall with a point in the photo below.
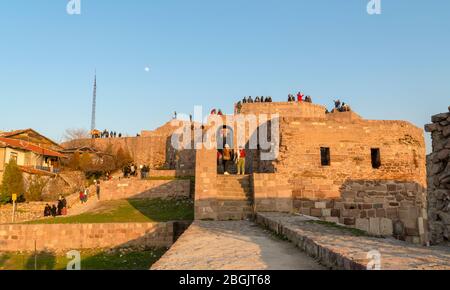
(308, 99)
(220, 113)
(238, 107)
(250, 100)
(244, 101)
(337, 104)
(257, 100)
(345, 107)
(213, 112)
(47, 210)
(270, 99)
(54, 211)
(300, 97)
(290, 98)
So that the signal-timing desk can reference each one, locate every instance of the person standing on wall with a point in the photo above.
(226, 157)
(240, 160)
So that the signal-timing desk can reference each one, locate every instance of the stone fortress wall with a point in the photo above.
(151, 148)
(439, 178)
(349, 190)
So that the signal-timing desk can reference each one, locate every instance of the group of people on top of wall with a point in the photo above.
(300, 98)
(110, 134)
(258, 99)
(340, 107)
(216, 112)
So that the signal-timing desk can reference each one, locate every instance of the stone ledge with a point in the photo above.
(342, 250)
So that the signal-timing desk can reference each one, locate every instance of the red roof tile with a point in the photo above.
(29, 147)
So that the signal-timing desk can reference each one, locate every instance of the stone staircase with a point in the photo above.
(235, 197)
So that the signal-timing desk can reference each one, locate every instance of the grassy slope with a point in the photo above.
(90, 260)
(133, 210)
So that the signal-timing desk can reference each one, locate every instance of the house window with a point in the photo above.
(376, 158)
(325, 156)
(13, 157)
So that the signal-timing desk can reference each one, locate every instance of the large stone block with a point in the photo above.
(386, 227)
(374, 226)
(362, 224)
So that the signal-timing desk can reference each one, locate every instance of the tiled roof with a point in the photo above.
(31, 170)
(20, 144)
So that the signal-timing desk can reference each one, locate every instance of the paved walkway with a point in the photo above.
(233, 245)
(341, 249)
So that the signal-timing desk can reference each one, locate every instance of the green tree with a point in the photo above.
(12, 182)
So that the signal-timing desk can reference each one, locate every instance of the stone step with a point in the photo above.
(237, 190)
(233, 183)
(233, 216)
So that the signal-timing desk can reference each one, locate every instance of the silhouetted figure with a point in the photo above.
(54, 211)
(47, 210)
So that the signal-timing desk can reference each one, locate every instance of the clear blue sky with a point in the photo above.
(209, 52)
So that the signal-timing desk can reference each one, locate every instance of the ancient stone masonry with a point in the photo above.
(152, 148)
(367, 174)
(438, 165)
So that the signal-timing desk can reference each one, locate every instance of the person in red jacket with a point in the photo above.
(300, 97)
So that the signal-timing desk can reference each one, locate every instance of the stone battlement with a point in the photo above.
(285, 109)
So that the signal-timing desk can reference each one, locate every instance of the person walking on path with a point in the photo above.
(85, 195)
(97, 188)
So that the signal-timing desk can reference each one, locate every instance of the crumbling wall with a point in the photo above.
(439, 178)
(152, 148)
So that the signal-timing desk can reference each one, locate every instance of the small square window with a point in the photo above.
(376, 158)
(325, 156)
(13, 157)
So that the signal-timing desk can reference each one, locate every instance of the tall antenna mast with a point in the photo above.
(94, 102)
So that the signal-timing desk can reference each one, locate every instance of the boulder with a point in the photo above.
(439, 117)
(446, 131)
(445, 217)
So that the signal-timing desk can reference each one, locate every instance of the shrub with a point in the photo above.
(36, 185)
(12, 182)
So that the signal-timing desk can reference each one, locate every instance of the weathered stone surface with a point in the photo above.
(84, 236)
(352, 250)
(439, 180)
(235, 245)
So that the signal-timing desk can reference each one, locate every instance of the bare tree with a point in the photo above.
(75, 134)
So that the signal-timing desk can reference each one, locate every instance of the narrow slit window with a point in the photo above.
(376, 158)
(325, 156)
